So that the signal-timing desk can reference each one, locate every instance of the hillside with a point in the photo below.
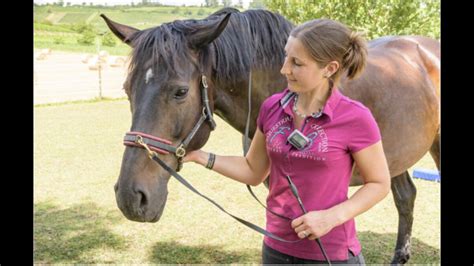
(60, 28)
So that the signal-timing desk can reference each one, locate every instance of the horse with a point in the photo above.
(173, 64)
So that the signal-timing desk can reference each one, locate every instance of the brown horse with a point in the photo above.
(400, 86)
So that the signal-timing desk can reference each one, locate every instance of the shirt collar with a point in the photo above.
(286, 102)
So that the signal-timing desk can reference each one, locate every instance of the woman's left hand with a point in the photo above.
(314, 224)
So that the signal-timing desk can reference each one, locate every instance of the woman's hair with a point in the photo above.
(328, 40)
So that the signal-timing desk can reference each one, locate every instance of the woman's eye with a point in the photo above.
(181, 93)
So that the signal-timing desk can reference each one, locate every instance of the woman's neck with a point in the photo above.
(314, 100)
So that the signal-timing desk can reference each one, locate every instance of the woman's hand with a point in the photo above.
(314, 224)
(197, 156)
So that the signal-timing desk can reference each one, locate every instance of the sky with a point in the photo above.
(122, 2)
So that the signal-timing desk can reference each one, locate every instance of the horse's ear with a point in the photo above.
(123, 32)
(208, 31)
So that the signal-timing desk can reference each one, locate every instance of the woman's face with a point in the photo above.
(301, 71)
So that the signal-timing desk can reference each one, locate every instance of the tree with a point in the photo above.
(213, 3)
(227, 3)
(109, 39)
(258, 4)
(87, 38)
(175, 10)
(375, 18)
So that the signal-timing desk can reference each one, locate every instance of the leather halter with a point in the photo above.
(164, 146)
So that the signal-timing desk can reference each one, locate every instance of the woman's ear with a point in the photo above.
(331, 68)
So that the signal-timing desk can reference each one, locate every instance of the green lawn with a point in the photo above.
(77, 156)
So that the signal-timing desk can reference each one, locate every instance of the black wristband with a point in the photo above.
(211, 160)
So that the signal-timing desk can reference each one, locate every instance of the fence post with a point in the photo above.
(99, 67)
(100, 79)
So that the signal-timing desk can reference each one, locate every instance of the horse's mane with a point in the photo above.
(251, 39)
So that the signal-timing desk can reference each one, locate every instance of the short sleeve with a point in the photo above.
(262, 114)
(364, 131)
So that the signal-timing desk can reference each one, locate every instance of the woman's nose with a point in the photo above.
(285, 70)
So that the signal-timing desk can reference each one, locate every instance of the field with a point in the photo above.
(53, 25)
(77, 154)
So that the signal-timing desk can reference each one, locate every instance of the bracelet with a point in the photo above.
(210, 162)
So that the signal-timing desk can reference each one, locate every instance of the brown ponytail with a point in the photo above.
(356, 55)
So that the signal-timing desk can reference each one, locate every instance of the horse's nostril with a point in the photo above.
(116, 187)
(142, 198)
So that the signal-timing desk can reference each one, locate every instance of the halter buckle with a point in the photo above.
(180, 151)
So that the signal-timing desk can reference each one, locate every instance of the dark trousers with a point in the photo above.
(271, 256)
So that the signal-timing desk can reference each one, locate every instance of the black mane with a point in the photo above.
(248, 41)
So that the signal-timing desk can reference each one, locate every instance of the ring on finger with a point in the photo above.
(305, 234)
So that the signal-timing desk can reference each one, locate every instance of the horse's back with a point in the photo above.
(397, 86)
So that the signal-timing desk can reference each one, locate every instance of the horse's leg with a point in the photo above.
(434, 151)
(404, 194)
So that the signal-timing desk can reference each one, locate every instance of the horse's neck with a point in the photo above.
(231, 104)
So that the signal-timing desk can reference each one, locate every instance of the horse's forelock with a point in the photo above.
(160, 48)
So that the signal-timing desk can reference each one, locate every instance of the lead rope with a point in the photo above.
(154, 156)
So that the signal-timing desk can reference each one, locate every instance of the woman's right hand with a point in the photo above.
(196, 156)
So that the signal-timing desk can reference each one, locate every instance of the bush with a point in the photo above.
(109, 39)
(58, 40)
(87, 38)
(82, 27)
(175, 10)
(200, 12)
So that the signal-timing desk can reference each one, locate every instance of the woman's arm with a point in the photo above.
(374, 170)
(251, 169)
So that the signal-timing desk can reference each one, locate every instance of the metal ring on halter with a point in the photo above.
(180, 151)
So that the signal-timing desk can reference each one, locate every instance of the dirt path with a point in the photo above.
(62, 77)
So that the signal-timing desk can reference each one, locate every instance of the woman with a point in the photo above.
(313, 134)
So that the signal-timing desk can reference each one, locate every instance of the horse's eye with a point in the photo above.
(181, 93)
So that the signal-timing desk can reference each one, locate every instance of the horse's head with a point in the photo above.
(164, 87)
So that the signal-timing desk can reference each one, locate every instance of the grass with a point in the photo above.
(77, 154)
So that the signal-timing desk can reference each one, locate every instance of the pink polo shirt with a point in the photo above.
(321, 172)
